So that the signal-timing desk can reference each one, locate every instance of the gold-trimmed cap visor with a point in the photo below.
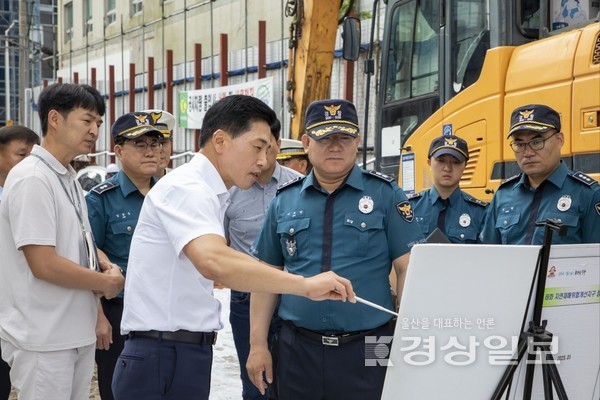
(133, 125)
(325, 129)
(326, 117)
(534, 117)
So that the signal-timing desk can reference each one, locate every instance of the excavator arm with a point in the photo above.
(312, 42)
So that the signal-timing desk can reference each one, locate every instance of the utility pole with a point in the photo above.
(7, 91)
(23, 58)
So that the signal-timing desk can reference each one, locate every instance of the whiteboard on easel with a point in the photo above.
(460, 317)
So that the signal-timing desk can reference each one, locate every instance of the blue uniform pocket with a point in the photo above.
(361, 228)
(505, 224)
(293, 233)
(463, 235)
(123, 227)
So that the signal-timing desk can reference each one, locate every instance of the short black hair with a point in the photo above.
(11, 133)
(276, 128)
(234, 114)
(65, 97)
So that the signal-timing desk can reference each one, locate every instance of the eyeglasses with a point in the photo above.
(536, 144)
(142, 145)
(343, 140)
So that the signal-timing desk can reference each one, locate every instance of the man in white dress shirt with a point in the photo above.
(179, 250)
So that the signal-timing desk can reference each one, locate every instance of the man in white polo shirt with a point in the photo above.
(179, 250)
(48, 283)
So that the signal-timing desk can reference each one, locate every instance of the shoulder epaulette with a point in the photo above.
(512, 178)
(414, 195)
(104, 187)
(379, 175)
(473, 200)
(583, 178)
(290, 183)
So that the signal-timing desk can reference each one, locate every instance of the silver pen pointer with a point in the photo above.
(367, 302)
(370, 304)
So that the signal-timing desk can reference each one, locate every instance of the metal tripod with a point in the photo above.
(537, 333)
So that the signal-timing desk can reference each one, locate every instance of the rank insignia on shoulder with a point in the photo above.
(405, 210)
(473, 200)
(583, 178)
(379, 175)
(290, 183)
(411, 196)
(512, 178)
(104, 187)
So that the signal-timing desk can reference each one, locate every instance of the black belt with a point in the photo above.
(177, 336)
(331, 339)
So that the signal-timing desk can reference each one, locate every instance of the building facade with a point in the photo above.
(39, 47)
(95, 37)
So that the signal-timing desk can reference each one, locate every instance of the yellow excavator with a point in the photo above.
(461, 66)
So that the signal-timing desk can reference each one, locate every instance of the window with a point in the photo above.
(411, 72)
(111, 11)
(412, 68)
(68, 22)
(87, 17)
(470, 40)
(137, 6)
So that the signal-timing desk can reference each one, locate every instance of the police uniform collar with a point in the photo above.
(452, 199)
(310, 181)
(557, 177)
(523, 181)
(124, 183)
(353, 179)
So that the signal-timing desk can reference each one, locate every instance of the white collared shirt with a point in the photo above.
(163, 289)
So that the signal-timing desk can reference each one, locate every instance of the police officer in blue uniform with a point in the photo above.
(113, 209)
(445, 206)
(164, 121)
(356, 223)
(546, 189)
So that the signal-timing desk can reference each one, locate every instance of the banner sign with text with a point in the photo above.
(194, 104)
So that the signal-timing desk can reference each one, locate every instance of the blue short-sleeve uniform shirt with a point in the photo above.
(571, 198)
(463, 219)
(356, 231)
(113, 209)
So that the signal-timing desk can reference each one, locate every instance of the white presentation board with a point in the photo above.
(461, 312)
(572, 308)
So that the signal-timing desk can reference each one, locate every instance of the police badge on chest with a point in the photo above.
(290, 245)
